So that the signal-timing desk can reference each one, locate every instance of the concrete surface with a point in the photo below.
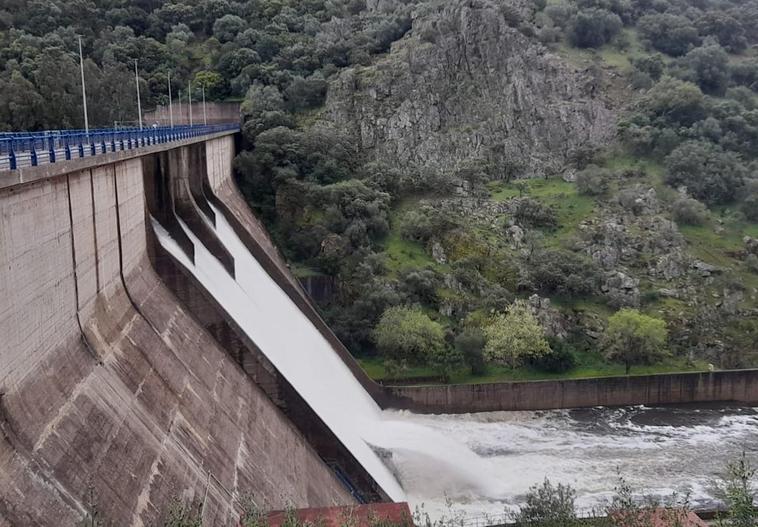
(109, 384)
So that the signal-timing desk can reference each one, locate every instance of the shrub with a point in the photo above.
(407, 333)
(423, 224)
(708, 67)
(470, 344)
(688, 211)
(593, 181)
(561, 272)
(749, 207)
(671, 34)
(591, 28)
(532, 213)
(709, 174)
(560, 359)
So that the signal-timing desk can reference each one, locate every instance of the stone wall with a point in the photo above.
(739, 386)
(109, 389)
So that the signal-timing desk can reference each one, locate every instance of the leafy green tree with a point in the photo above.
(591, 28)
(671, 34)
(470, 344)
(708, 67)
(515, 336)
(407, 333)
(674, 102)
(708, 172)
(725, 28)
(634, 338)
(226, 28)
(446, 360)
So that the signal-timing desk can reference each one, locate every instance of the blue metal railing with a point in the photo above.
(19, 149)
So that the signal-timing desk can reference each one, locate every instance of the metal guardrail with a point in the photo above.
(18, 149)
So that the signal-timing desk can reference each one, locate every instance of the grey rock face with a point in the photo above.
(472, 89)
(552, 320)
(622, 290)
(751, 245)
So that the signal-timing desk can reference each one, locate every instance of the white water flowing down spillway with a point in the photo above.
(481, 463)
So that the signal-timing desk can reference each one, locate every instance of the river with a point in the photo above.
(658, 451)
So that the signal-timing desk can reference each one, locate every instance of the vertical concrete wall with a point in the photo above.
(108, 384)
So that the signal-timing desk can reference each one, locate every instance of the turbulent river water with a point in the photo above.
(480, 463)
(658, 451)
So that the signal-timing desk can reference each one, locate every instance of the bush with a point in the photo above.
(708, 67)
(749, 207)
(470, 344)
(709, 174)
(408, 334)
(560, 360)
(532, 213)
(752, 263)
(671, 34)
(423, 224)
(591, 28)
(688, 211)
(593, 181)
(560, 272)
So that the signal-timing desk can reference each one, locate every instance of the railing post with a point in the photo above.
(34, 155)
(66, 149)
(12, 157)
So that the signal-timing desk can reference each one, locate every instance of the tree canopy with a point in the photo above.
(634, 338)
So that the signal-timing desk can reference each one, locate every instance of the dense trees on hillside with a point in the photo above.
(226, 46)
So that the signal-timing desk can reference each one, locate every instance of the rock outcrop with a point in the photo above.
(465, 87)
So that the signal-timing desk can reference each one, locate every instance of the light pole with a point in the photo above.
(189, 101)
(205, 115)
(84, 90)
(170, 105)
(139, 104)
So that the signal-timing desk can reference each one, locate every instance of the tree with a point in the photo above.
(671, 34)
(515, 336)
(709, 173)
(591, 28)
(633, 338)
(708, 67)
(727, 30)
(228, 27)
(407, 333)
(549, 506)
(674, 102)
(470, 344)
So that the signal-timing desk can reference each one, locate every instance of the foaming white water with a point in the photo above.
(482, 463)
(304, 357)
(659, 451)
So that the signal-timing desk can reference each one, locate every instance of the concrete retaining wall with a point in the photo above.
(724, 386)
(107, 383)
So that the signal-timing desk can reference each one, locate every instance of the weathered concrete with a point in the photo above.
(215, 112)
(108, 383)
(739, 386)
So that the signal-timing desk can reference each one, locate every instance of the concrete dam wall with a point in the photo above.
(115, 392)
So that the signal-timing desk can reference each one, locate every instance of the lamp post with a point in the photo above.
(139, 104)
(189, 101)
(170, 104)
(84, 90)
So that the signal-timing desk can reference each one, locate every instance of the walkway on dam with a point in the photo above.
(24, 149)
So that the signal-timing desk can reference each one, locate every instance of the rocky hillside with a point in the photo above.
(467, 88)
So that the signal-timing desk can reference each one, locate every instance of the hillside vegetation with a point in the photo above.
(484, 184)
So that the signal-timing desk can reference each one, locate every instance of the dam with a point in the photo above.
(156, 347)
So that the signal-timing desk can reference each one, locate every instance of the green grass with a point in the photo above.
(589, 365)
(571, 208)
